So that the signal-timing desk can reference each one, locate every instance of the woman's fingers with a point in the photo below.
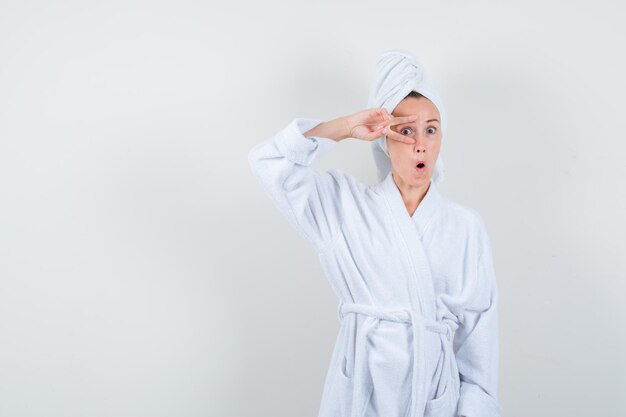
(399, 137)
(376, 129)
(394, 120)
(401, 119)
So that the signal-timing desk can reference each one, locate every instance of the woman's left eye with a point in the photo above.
(434, 130)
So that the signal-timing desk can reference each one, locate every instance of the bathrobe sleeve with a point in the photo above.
(476, 342)
(308, 198)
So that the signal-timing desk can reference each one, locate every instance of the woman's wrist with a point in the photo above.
(336, 129)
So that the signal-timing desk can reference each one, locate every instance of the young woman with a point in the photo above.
(412, 269)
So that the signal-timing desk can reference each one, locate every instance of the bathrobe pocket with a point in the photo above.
(440, 406)
(344, 372)
(446, 404)
(345, 390)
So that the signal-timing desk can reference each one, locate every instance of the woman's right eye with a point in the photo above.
(402, 131)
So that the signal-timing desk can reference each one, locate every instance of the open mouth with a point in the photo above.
(420, 166)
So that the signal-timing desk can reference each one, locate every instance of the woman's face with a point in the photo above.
(426, 131)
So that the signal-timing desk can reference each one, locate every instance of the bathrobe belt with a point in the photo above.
(420, 324)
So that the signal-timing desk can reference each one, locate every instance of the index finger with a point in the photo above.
(395, 120)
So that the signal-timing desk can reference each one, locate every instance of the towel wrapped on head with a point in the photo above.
(398, 72)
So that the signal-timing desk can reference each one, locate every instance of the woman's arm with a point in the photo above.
(309, 199)
(476, 341)
(337, 129)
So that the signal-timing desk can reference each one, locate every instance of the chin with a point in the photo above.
(413, 177)
(422, 181)
(420, 178)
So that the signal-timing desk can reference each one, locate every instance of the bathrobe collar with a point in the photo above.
(431, 204)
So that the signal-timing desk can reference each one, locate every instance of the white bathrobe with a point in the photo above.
(417, 293)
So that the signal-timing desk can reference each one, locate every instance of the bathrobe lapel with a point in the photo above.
(411, 228)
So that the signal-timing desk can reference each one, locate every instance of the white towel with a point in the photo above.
(398, 72)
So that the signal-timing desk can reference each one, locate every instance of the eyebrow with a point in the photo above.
(427, 121)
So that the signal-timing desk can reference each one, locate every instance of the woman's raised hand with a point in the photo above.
(374, 123)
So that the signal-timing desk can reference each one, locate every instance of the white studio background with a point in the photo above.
(143, 271)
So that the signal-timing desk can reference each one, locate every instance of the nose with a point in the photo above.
(420, 144)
